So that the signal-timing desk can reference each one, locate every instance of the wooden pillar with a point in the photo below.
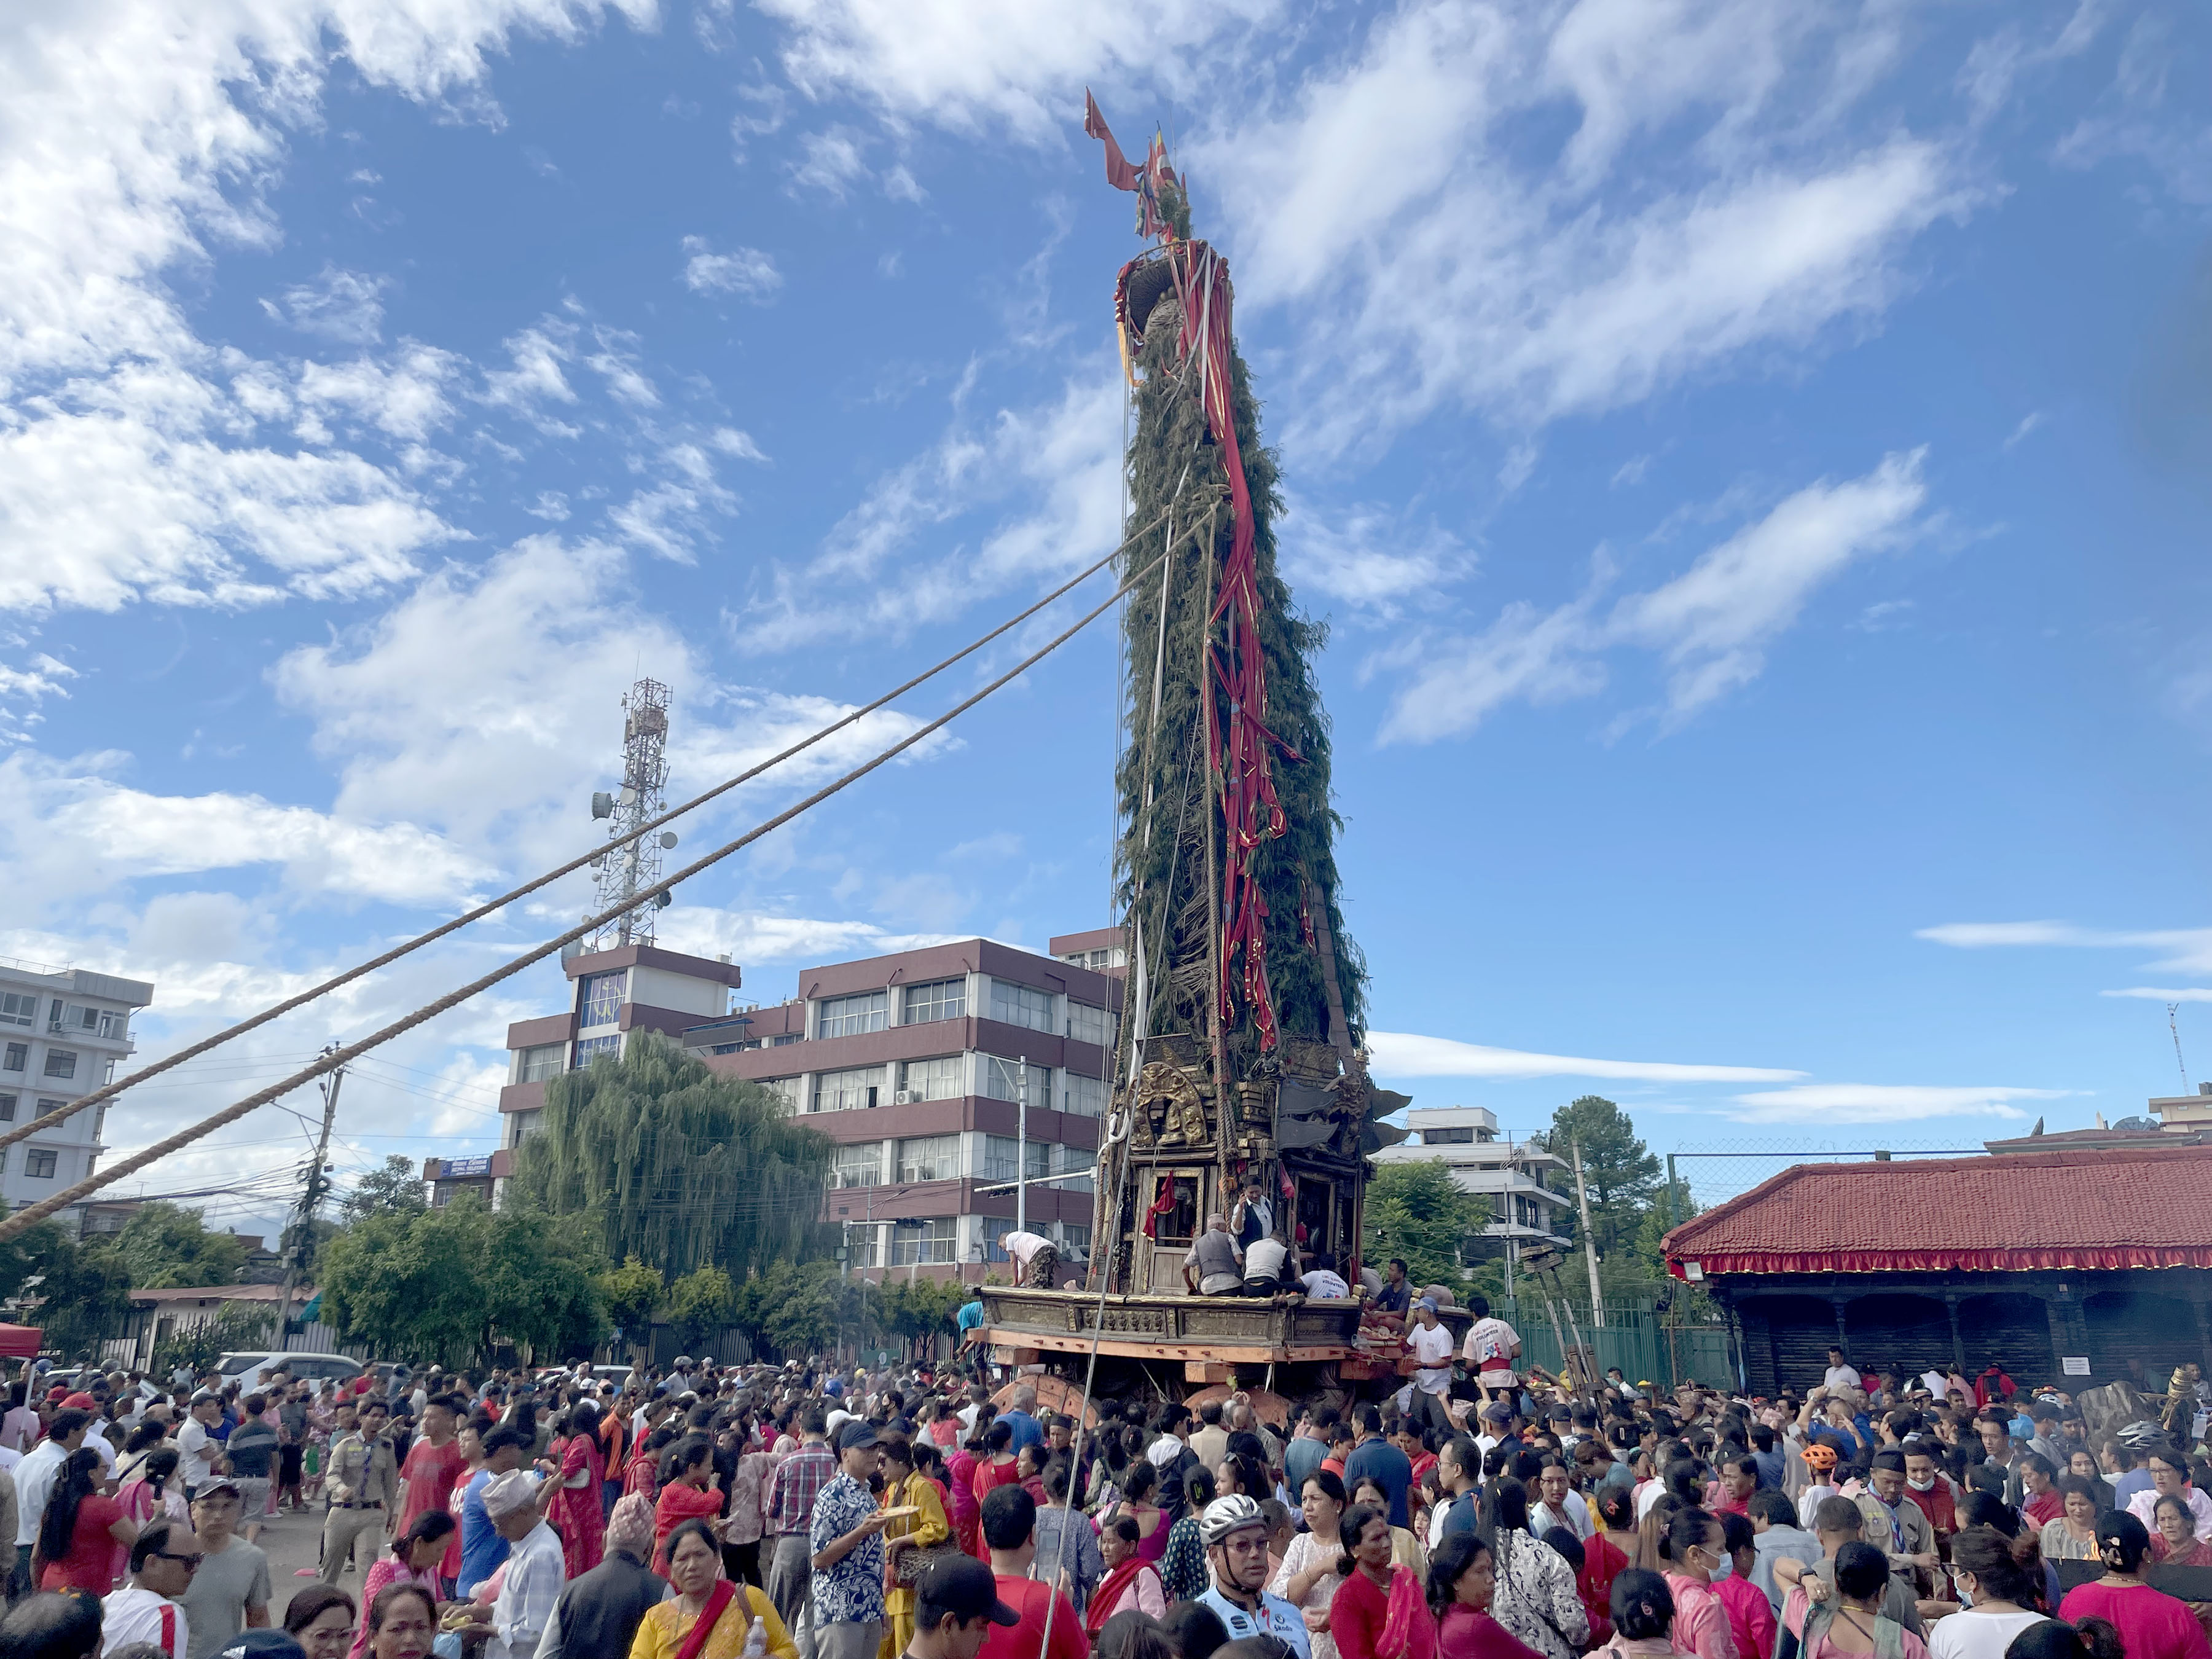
(1842, 1336)
(1958, 1343)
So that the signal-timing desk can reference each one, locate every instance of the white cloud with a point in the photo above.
(405, 397)
(339, 304)
(751, 936)
(617, 359)
(81, 831)
(1711, 626)
(2186, 949)
(746, 272)
(830, 161)
(1820, 1103)
(2163, 993)
(1064, 456)
(1368, 556)
(536, 378)
(1398, 1054)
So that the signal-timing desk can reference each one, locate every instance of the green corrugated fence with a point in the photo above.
(1634, 1336)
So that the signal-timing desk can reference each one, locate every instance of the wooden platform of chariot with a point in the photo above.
(1211, 1335)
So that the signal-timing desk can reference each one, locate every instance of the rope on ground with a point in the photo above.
(108, 1092)
(14, 1223)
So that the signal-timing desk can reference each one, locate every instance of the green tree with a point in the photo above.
(237, 1328)
(1621, 1173)
(700, 1303)
(167, 1247)
(395, 1189)
(675, 1165)
(1417, 1211)
(920, 1309)
(444, 1285)
(631, 1292)
(82, 1293)
(799, 1308)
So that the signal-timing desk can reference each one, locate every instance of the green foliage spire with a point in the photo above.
(1161, 875)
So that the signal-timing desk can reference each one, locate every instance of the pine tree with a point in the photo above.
(1179, 499)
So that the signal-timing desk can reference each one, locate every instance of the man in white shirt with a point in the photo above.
(1840, 1375)
(199, 1454)
(1492, 1346)
(35, 1483)
(145, 1609)
(1037, 1256)
(1324, 1281)
(535, 1571)
(1431, 1344)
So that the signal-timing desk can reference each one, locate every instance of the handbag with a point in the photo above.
(907, 1570)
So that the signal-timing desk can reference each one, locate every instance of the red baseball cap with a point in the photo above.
(78, 1401)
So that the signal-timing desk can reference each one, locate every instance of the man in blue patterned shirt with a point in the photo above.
(847, 1538)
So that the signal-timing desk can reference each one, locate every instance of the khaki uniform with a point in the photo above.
(363, 1482)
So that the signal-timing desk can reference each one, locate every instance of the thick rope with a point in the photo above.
(40, 1125)
(335, 1058)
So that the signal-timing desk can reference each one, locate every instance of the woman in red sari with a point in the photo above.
(688, 1493)
(643, 1475)
(999, 1466)
(966, 1518)
(575, 1512)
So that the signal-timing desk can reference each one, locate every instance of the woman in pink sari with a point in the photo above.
(575, 1512)
(966, 1518)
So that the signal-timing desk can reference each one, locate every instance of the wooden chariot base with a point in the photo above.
(1210, 1334)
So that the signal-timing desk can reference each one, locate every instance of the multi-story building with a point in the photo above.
(62, 1033)
(928, 1068)
(1509, 1174)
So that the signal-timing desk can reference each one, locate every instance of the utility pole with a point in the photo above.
(1590, 1241)
(1022, 1148)
(318, 1182)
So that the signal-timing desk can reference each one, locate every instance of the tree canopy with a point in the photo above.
(673, 1163)
(446, 1284)
(83, 1289)
(1621, 1174)
(167, 1247)
(395, 1189)
(1417, 1211)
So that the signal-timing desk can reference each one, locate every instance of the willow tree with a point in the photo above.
(674, 1163)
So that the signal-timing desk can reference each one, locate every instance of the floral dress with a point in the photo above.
(1307, 1551)
(1536, 1598)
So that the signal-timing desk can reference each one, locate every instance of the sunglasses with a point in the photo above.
(191, 1563)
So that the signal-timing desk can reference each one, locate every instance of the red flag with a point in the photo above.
(1119, 172)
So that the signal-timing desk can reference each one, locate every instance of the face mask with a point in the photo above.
(1723, 1568)
(1929, 1485)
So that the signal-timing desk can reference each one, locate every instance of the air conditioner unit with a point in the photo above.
(906, 1098)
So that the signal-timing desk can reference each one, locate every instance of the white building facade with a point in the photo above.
(1510, 1173)
(64, 1032)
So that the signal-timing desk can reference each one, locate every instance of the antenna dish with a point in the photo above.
(603, 804)
(572, 949)
(662, 901)
(668, 840)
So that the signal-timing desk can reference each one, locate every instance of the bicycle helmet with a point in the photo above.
(1819, 1456)
(2140, 1435)
(1226, 1514)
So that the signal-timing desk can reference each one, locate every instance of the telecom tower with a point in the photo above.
(632, 862)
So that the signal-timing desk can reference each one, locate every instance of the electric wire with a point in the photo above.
(108, 1092)
(330, 1060)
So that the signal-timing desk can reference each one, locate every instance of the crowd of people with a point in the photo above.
(932, 1512)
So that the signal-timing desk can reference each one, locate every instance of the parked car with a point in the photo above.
(251, 1370)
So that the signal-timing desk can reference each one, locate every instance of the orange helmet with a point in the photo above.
(1819, 1456)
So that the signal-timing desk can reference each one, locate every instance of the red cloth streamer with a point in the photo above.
(1165, 1202)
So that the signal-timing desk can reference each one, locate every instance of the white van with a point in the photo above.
(251, 1370)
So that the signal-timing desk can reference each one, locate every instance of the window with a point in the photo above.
(1018, 1005)
(1077, 1162)
(113, 1023)
(786, 1040)
(852, 1015)
(845, 1091)
(61, 1062)
(524, 1124)
(785, 1088)
(938, 998)
(942, 1078)
(857, 1166)
(603, 997)
(934, 1241)
(862, 1245)
(1074, 1241)
(1000, 1153)
(18, 1058)
(929, 1158)
(590, 1048)
(16, 1009)
(1447, 1137)
(1085, 1096)
(47, 1107)
(1178, 1223)
(1088, 1024)
(540, 1063)
(39, 1164)
(7, 1109)
(1002, 1078)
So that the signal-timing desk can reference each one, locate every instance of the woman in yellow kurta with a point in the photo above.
(903, 1484)
(694, 1567)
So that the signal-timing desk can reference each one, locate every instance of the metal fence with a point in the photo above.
(1648, 1345)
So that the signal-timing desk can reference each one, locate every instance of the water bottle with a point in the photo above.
(756, 1639)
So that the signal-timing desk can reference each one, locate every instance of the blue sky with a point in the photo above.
(1753, 458)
